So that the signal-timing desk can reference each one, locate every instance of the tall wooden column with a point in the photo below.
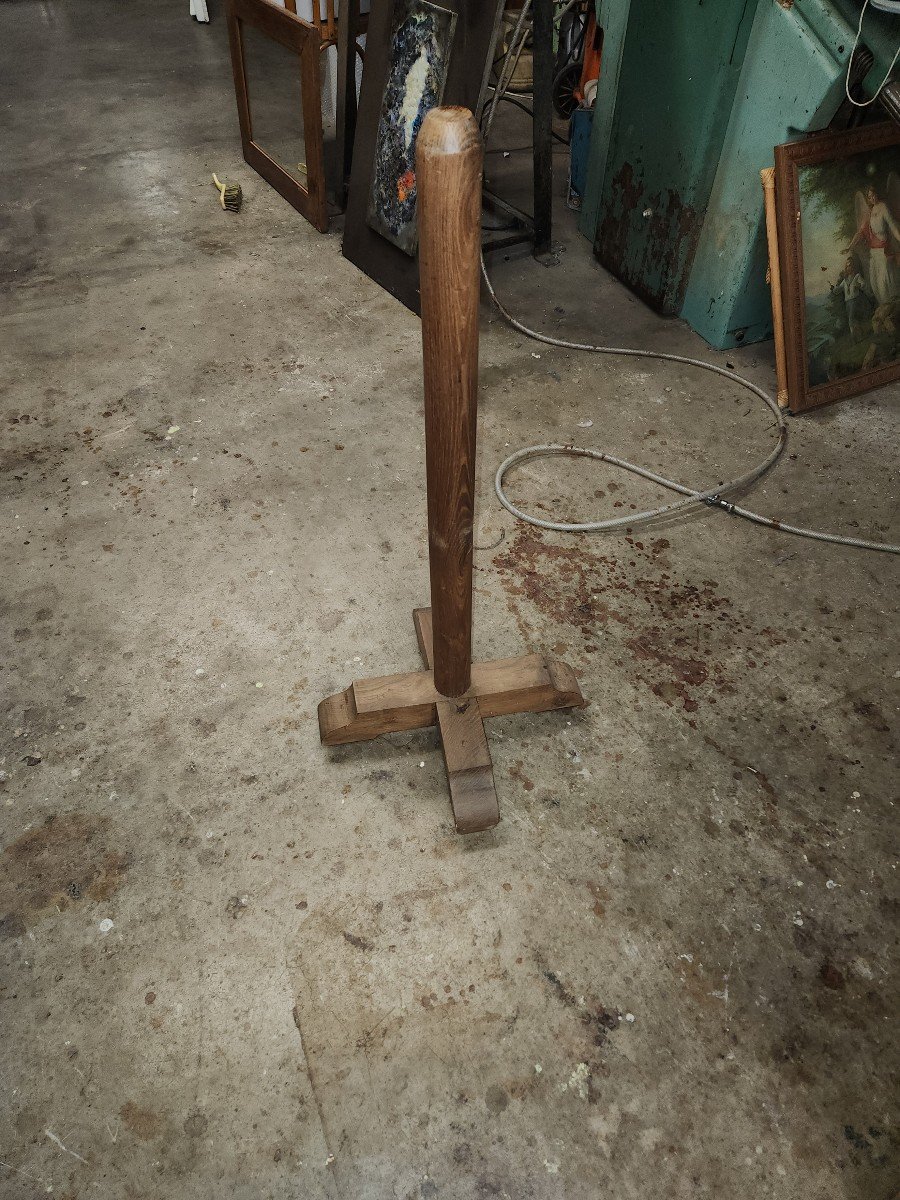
(449, 158)
(453, 693)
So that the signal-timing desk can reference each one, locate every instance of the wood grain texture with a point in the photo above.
(470, 772)
(393, 703)
(389, 703)
(502, 684)
(467, 756)
(449, 156)
(341, 723)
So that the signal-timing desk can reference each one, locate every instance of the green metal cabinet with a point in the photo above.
(692, 99)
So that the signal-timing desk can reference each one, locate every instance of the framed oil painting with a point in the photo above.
(838, 203)
(421, 37)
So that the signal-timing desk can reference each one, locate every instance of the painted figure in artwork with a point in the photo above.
(858, 305)
(877, 240)
(850, 237)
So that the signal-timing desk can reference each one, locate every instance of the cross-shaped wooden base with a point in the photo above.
(389, 704)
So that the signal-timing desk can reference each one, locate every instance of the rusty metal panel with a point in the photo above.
(693, 97)
(677, 80)
(792, 82)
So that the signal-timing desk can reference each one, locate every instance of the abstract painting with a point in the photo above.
(421, 38)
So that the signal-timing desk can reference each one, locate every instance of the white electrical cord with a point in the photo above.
(866, 103)
(709, 496)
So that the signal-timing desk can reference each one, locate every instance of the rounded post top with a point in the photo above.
(449, 129)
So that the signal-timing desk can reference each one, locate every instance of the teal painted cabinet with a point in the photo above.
(674, 96)
(693, 97)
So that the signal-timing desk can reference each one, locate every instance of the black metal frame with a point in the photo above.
(537, 228)
(345, 109)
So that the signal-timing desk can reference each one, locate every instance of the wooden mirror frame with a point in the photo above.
(304, 40)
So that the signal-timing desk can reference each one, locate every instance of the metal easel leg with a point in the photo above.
(542, 102)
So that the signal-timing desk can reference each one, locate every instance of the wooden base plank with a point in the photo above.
(341, 722)
(467, 756)
(393, 703)
(502, 685)
(470, 772)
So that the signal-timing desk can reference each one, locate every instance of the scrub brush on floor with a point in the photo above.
(230, 195)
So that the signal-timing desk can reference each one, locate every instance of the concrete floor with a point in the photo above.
(235, 964)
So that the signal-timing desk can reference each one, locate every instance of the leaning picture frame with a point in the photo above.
(838, 215)
(459, 61)
(263, 119)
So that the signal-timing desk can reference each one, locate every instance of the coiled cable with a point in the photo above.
(713, 496)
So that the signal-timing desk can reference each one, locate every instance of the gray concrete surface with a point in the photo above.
(235, 964)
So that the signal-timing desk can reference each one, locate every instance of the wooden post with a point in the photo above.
(449, 158)
(450, 693)
(767, 175)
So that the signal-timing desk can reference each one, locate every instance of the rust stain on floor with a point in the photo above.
(67, 859)
(144, 1123)
(684, 639)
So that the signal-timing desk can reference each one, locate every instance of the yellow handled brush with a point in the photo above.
(230, 195)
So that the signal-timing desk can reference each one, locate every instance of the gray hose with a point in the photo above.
(709, 496)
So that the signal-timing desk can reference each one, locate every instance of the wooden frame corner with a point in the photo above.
(304, 40)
